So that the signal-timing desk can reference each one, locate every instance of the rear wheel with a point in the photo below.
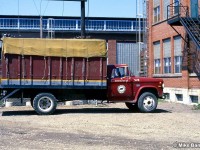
(147, 102)
(44, 103)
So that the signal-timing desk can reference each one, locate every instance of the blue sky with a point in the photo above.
(97, 8)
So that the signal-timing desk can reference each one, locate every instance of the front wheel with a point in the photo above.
(44, 103)
(147, 102)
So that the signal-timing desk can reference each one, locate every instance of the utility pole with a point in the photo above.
(41, 26)
(41, 32)
(82, 15)
(83, 19)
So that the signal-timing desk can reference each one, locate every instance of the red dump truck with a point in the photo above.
(52, 70)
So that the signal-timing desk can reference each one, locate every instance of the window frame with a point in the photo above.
(167, 68)
(156, 14)
(157, 69)
(177, 64)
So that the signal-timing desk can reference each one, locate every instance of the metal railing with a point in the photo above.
(177, 10)
(69, 24)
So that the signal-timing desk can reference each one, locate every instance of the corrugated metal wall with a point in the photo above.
(128, 53)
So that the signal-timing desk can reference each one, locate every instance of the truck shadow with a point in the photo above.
(102, 111)
(80, 111)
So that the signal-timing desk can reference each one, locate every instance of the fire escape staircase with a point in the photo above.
(178, 15)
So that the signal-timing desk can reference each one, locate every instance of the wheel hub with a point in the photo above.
(149, 103)
(45, 103)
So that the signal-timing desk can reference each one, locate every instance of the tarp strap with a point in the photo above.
(45, 67)
(66, 69)
(87, 69)
(23, 67)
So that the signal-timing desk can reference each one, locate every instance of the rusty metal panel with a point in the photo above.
(53, 71)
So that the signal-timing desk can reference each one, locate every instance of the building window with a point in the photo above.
(177, 54)
(179, 97)
(194, 98)
(167, 95)
(165, 11)
(156, 48)
(167, 55)
(178, 64)
(157, 66)
(156, 14)
(167, 65)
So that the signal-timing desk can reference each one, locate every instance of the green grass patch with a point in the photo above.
(161, 101)
(197, 107)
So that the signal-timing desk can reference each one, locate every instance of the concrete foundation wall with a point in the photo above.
(187, 95)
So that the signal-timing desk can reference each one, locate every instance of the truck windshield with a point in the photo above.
(120, 72)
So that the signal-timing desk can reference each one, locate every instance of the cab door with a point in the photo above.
(120, 87)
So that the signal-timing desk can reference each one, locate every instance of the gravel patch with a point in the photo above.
(110, 126)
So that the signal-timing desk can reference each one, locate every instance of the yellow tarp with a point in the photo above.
(55, 47)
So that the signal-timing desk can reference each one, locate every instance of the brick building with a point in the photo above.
(174, 47)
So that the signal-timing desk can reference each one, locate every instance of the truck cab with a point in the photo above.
(137, 92)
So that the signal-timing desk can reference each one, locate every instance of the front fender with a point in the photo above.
(148, 88)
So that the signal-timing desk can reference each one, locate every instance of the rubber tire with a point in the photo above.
(31, 102)
(41, 111)
(132, 106)
(142, 99)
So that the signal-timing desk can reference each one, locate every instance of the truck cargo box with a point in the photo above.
(53, 63)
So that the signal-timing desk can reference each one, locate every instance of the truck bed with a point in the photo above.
(56, 71)
(50, 72)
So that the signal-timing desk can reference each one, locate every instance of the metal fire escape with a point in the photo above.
(144, 56)
(178, 15)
